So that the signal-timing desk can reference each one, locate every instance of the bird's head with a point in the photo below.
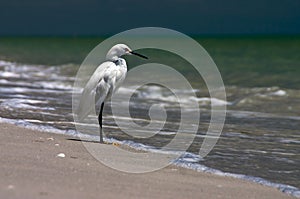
(119, 50)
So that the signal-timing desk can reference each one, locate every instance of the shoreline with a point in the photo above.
(30, 167)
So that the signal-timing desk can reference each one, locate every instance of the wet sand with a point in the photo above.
(30, 168)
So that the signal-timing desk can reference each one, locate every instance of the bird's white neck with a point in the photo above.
(112, 58)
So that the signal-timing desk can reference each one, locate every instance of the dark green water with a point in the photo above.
(257, 61)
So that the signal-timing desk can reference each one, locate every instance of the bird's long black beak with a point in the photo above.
(137, 54)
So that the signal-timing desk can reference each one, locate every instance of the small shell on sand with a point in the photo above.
(61, 155)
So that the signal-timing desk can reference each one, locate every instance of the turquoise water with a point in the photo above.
(261, 136)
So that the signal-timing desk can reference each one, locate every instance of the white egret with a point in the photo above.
(106, 79)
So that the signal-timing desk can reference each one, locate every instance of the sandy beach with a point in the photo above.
(30, 168)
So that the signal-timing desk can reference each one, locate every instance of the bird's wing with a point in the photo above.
(89, 92)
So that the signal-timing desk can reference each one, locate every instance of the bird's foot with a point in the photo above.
(110, 143)
(115, 144)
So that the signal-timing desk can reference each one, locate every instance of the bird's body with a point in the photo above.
(106, 79)
(113, 77)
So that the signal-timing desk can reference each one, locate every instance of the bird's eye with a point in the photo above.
(126, 50)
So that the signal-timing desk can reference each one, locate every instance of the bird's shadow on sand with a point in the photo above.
(79, 140)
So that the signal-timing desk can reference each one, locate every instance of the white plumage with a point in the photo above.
(106, 79)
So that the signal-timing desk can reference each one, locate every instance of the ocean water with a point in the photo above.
(261, 137)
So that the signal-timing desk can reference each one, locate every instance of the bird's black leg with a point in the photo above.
(100, 122)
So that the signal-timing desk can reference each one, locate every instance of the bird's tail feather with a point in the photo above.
(88, 102)
(85, 105)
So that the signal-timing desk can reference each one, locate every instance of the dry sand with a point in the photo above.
(30, 168)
